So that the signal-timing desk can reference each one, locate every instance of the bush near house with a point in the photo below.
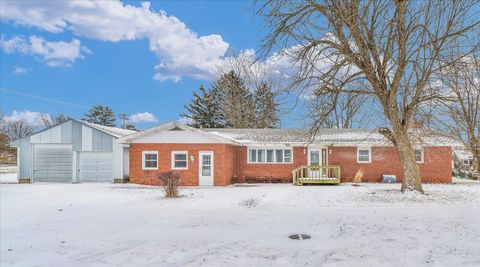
(171, 184)
(267, 179)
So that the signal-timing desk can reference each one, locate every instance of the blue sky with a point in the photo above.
(58, 57)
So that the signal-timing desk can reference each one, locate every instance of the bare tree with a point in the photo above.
(46, 120)
(60, 118)
(341, 111)
(394, 46)
(2, 122)
(460, 112)
(254, 73)
(17, 129)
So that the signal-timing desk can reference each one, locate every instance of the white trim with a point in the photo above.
(200, 163)
(369, 154)
(274, 148)
(172, 159)
(143, 160)
(319, 149)
(18, 163)
(171, 125)
(422, 155)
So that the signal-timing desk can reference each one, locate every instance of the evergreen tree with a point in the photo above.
(230, 104)
(100, 114)
(130, 126)
(235, 100)
(203, 110)
(266, 107)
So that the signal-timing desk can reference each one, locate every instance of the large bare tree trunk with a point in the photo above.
(394, 47)
(411, 173)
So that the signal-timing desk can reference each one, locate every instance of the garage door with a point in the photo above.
(52, 163)
(95, 167)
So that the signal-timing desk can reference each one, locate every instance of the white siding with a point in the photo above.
(126, 162)
(79, 137)
(50, 136)
(118, 160)
(178, 137)
(86, 138)
(25, 160)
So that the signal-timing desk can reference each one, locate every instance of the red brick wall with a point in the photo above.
(223, 163)
(437, 167)
(268, 171)
(230, 164)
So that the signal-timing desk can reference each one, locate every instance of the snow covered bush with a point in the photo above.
(171, 184)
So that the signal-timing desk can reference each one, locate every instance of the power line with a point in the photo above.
(123, 118)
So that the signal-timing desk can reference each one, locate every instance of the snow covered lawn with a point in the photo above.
(132, 225)
(8, 175)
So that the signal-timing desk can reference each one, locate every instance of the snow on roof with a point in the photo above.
(173, 125)
(113, 131)
(463, 154)
(326, 136)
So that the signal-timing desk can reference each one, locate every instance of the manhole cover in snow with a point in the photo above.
(299, 236)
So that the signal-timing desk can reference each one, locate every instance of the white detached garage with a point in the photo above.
(73, 152)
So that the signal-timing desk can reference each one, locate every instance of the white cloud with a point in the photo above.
(181, 51)
(31, 117)
(142, 117)
(185, 120)
(20, 70)
(54, 54)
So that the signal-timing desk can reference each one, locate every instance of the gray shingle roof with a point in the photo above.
(114, 131)
(326, 136)
(300, 136)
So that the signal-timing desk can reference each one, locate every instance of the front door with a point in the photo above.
(205, 168)
(314, 161)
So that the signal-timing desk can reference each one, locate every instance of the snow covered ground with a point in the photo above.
(8, 174)
(132, 225)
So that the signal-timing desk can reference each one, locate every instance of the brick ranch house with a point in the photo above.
(221, 157)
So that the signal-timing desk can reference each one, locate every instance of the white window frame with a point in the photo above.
(421, 153)
(144, 153)
(369, 154)
(274, 155)
(173, 160)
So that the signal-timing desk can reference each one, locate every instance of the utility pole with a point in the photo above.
(123, 118)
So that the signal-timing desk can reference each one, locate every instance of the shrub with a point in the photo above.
(171, 184)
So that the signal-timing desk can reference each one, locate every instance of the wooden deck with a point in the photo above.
(316, 175)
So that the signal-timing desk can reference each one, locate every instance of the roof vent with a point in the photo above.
(176, 129)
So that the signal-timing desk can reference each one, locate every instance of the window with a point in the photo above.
(287, 155)
(364, 155)
(260, 155)
(270, 155)
(279, 155)
(253, 155)
(418, 155)
(466, 162)
(179, 160)
(150, 160)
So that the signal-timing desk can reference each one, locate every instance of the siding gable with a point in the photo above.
(177, 136)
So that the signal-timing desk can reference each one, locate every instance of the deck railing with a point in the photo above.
(306, 174)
